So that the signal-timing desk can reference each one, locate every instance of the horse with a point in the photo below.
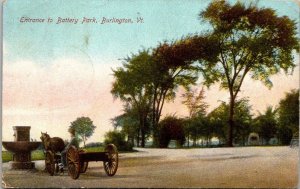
(54, 144)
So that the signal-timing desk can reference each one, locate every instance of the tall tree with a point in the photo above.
(84, 127)
(132, 86)
(147, 82)
(175, 66)
(249, 40)
(197, 112)
(195, 103)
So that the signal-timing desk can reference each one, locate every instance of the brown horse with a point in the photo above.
(54, 144)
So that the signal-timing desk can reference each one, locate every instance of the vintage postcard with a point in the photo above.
(150, 94)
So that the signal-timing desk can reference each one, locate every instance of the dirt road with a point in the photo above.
(261, 167)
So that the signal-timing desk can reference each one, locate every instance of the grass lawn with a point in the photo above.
(39, 154)
(35, 155)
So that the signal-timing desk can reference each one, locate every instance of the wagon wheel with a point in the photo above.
(73, 162)
(56, 168)
(49, 162)
(83, 164)
(111, 165)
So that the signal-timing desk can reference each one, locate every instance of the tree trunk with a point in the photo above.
(138, 139)
(142, 123)
(84, 139)
(231, 122)
(132, 141)
(188, 140)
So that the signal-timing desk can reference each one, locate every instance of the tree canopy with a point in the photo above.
(244, 41)
(250, 40)
(84, 127)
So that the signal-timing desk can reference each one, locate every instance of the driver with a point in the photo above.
(74, 142)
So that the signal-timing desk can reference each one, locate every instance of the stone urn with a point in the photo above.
(21, 148)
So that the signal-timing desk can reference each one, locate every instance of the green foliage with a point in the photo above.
(285, 135)
(84, 127)
(195, 104)
(243, 119)
(6, 156)
(133, 86)
(94, 144)
(35, 155)
(266, 124)
(196, 125)
(129, 123)
(249, 40)
(146, 81)
(171, 128)
(94, 149)
(289, 111)
(288, 120)
(118, 139)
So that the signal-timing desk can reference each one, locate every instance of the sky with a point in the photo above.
(55, 72)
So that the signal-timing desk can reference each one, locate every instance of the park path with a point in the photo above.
(261, 167)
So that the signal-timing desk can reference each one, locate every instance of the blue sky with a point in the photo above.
(54, 73)
(163, 20)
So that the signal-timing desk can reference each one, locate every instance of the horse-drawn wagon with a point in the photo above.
(77, 160)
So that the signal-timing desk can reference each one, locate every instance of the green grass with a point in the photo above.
(35, 155)
(94, 149)
(6, 156)
(39, 154)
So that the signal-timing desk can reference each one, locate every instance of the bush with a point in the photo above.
(118, 139)
(285, 135)
(171, 128)
(94, 144)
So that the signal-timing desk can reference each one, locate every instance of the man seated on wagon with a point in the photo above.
(73, 142)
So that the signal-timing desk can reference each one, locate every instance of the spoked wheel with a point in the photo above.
(56, 168)
(49, 163)
(73, 162)
(83, 164)
(111, 165)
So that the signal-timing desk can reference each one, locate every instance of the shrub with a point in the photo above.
(118, 139)
(171, 128)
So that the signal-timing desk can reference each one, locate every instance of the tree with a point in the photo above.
(171, 128)
(243, 118)
(176, 65)
(266, 124)
(217, 120)
(132, 86)
(197, 112)
(129, 123)
(288, 112)
(117, 138)
(195, 104)
(147, 81)
(84, 127)
(249, 40)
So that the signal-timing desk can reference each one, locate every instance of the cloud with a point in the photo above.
(48, 97)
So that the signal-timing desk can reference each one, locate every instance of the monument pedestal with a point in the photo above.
(21, 165)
